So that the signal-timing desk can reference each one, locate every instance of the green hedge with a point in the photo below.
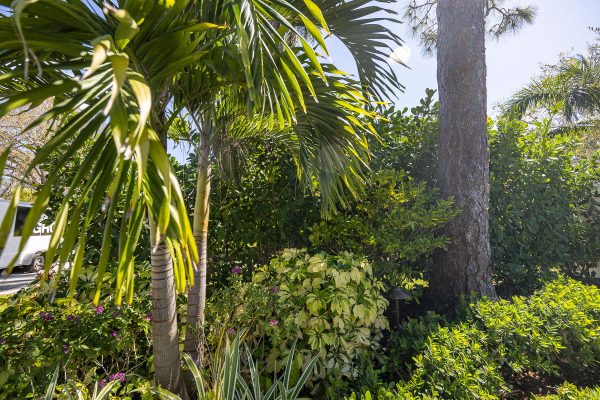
(553, 333)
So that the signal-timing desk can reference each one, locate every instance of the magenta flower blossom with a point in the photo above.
(236, 270)
(46, 317)
(99, 310)
(114, 334)
(65, 348)
(101, 383)
(274, 289)
(149, 317)
(119, 376)
(231, 331)
(70, 317)
(273, 322)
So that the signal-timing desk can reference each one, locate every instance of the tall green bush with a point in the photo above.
(396, 226)
(545, 204)
(258, 207)
(544, 188)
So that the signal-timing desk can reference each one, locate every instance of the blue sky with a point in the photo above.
(560, 26)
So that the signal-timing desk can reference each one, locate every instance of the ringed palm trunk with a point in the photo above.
(165, 335)
(194, 334)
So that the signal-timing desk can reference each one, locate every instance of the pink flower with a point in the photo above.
(274, 290)
(65, 348)
(231, 331)
(101, 383)
(149, 317)
(236, 270)
(99, 310)
(119, 376)
(114, 334)
(273, 322)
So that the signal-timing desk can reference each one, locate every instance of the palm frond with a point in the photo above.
(359, 25)
(573, 85)
(105, 84)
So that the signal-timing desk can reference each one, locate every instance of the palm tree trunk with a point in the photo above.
(465, 267)
(165, 334)
(165, 338)
(194, 335)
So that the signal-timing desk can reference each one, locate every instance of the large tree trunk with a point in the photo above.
(165, 337)
(194, 334)
(465, 268)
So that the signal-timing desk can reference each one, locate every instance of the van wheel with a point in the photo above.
(37, 263)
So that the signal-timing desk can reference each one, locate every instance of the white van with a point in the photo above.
(32, 255)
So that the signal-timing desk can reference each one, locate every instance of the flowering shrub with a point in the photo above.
(331, 305)
(92, 344)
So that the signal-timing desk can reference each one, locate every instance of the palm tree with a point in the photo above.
(327, 142)
(572, 88)
(99, 64)
(320, 116)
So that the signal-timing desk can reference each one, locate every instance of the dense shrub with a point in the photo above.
(331, 306)
(258, 207)
(571, 392)
(408, 140)
(396, 226)
(555, 332)
(565, 392)
(556, 328)
(262, 208)
(455, 363)
(544, 210)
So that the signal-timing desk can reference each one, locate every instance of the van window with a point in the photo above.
(20, 220)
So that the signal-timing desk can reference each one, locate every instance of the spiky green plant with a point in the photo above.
(228, 383)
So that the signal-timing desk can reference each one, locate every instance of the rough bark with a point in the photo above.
(194, 339)
(165, 338)
(465, 268)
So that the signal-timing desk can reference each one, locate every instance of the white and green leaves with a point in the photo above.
(228, 383)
